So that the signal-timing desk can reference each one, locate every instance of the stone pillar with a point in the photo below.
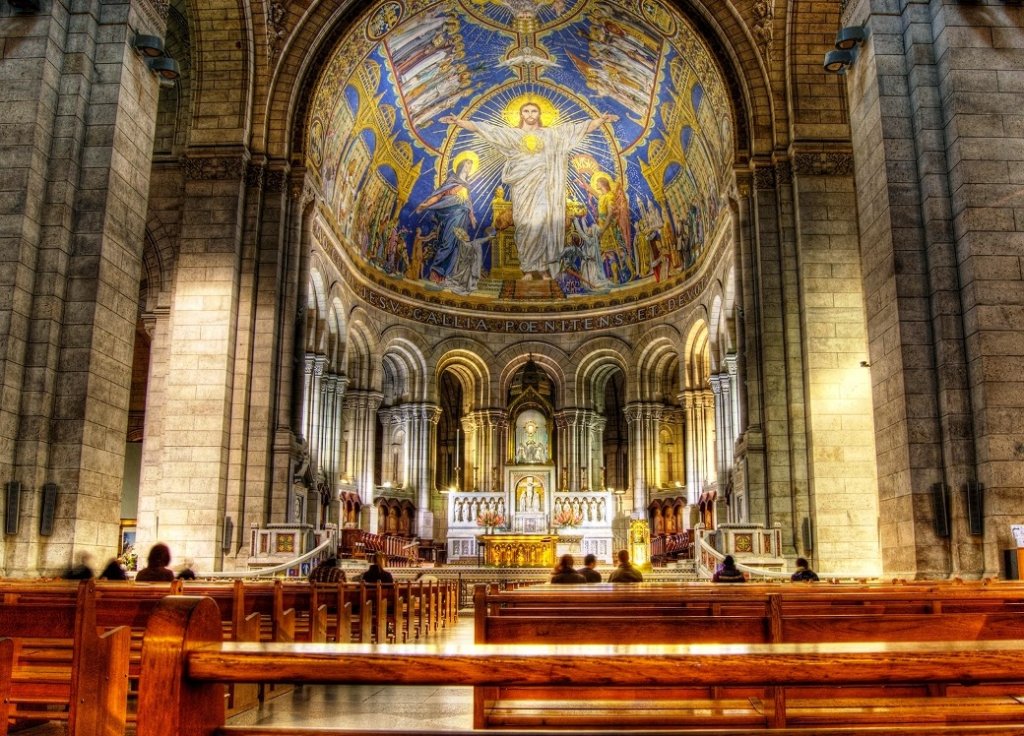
(595, 424)
(720, 389)
(692, 465)
(707, 399)
(361, 418)
(938, 214)
(419, 420)
(642, 419)
(77, 110)
(488, 426)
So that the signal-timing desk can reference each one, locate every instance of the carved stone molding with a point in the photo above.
(764, 16)
(274, 181)
(783, 173)
(216, 168)
(764, 178)
(160, 7)
(823, 163)
(277, 13)
(254, 175)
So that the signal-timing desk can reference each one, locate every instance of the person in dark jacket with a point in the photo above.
(376, 572)
(113, 571)
(156, 569)
(588, 572)
(804, 573)
(626, 572)
(565, 574)
(729, 573)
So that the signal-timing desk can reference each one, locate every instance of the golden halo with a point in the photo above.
(598, 176)
(471, 155)
(548, 112)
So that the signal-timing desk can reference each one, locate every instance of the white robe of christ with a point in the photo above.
(535, 171)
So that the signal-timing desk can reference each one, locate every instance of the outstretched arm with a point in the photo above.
(464, 124)
(601, 120)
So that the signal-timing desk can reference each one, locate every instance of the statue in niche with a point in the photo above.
(531, 438)
(458, 510)
(600, 509)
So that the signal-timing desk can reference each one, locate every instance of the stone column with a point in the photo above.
(595, 424)
(710, 436)
(720, 389)
(642, 419)
(361, 418)
(488, 426)
(938, 215)
(420, 420)
(77, 110)
(692, 462)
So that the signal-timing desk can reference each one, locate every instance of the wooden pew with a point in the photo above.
(60, 659)
(6, 666)
(185, 668)
(576, 614)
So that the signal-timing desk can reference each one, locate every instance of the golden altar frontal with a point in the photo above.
(518, 550)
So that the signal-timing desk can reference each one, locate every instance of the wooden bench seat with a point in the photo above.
(62, 667)
(783, 681)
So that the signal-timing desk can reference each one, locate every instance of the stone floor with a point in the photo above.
(393, 708)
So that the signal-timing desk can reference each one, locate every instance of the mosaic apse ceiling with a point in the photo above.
(521, 155)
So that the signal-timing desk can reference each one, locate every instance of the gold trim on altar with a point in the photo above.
(518, 550)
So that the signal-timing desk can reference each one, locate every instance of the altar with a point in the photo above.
(518, 550)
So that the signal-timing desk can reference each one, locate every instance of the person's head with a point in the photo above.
(113, 571)
(802, 562)
(379, 560)
(529, 115)
(728, 562)
(603, 184)
(330, 562)
(589, 561)
(565, 563)
(159, 555)
(623, 556)
(83, 558)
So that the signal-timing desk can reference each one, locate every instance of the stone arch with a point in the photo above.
(218, 62)
(467, 362)
(403, 359)
(697, 355)
(175, 104)
(362, 349)
(657, 365)
(548, 357)
(279, 128)
(596, 361)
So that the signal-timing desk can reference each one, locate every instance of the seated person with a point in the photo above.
(588, 572)
(803, 573)
(327, 571)
(728, 572)
(626, 572)
(156, 569)
(376, 572)
(565, 573)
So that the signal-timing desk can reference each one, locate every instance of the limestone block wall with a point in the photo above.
(922, 84)
(80, 103)
(843, 513)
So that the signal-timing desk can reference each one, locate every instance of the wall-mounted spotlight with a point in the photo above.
(164, 67)
(837, 61)
(150, 46)
(850, 37)
(25, 6)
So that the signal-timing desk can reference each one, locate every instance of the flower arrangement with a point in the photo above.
(129, 557)
(489, 519)
(568, 517)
